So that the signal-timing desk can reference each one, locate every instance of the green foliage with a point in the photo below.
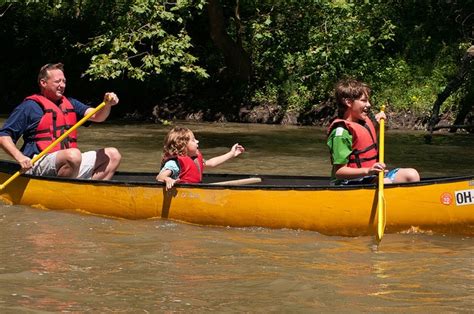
(406, 50)
(415, 87)
(149, 39)
(305, 46)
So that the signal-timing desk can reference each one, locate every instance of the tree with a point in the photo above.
(462, 77)
(236, 58)
(149, 37)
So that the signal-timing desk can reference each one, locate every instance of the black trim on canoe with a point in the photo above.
(269, 182)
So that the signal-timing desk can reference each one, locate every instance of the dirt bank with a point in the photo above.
(273, 114)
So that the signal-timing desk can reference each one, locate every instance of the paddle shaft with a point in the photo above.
(239, 181)
(380, 196)
(56, 142)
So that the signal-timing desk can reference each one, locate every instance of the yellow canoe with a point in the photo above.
(444, 205)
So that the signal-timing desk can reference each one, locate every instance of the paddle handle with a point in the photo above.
(380, 196)
(382, 139)
(56, 142)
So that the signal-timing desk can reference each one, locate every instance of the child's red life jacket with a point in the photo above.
(364, 142)
(191, 168)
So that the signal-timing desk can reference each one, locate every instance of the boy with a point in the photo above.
(352, 140)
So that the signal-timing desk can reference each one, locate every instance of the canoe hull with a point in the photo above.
(439, 206)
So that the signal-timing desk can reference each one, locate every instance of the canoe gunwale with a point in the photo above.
(8, 167)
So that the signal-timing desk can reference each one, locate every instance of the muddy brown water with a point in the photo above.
(56, 261)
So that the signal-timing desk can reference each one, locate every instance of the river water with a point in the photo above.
(55, 261)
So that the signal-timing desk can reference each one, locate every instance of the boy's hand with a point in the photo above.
(376, 168)
(380, 115)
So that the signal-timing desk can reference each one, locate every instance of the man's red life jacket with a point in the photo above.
(191, 168)
(56, 121)
(364, 142)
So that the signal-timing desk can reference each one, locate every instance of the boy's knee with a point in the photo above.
(411, 175)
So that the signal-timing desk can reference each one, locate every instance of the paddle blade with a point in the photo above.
(381, 217)
(13, 177)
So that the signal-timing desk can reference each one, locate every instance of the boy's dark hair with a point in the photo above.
(349, 89)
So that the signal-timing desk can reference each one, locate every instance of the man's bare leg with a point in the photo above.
(107, 162)
(68, 162)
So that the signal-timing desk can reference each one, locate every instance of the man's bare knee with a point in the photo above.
(68, 162)
(73, 156)
(108, 160)
(114, 155)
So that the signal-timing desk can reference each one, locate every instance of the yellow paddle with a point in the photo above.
(57, 141)
(381, 199)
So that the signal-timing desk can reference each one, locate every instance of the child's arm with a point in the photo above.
(345, 172)
(235, 151)
(165, 176)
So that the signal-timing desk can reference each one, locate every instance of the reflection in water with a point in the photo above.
(54, 261)
(81, 263)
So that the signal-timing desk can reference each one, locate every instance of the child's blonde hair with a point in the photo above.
(349, 89)
(175, 143)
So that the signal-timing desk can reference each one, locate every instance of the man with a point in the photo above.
(42, 118)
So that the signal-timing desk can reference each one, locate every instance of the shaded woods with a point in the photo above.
(242, 60)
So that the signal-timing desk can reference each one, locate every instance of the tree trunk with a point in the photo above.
(466, 106)
(236, 58)
(452, 86)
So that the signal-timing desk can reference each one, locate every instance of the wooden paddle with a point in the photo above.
(57, 141)
(380, 198)
(239, 181)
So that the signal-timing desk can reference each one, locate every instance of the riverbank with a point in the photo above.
(273, 114)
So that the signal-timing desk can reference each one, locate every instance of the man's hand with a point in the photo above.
(25, 164)
(111, 99)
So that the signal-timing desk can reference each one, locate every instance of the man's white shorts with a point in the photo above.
(46, 166)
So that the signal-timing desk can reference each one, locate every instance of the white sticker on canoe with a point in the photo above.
(465, 197)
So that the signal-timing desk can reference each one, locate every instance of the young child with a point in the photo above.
(182, 160)
(352, 140)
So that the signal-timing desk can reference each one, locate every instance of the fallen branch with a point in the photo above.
(462, 126)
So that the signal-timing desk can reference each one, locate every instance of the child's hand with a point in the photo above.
(237, 149)
(170, 182)
(380, 115)
(376, 168)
